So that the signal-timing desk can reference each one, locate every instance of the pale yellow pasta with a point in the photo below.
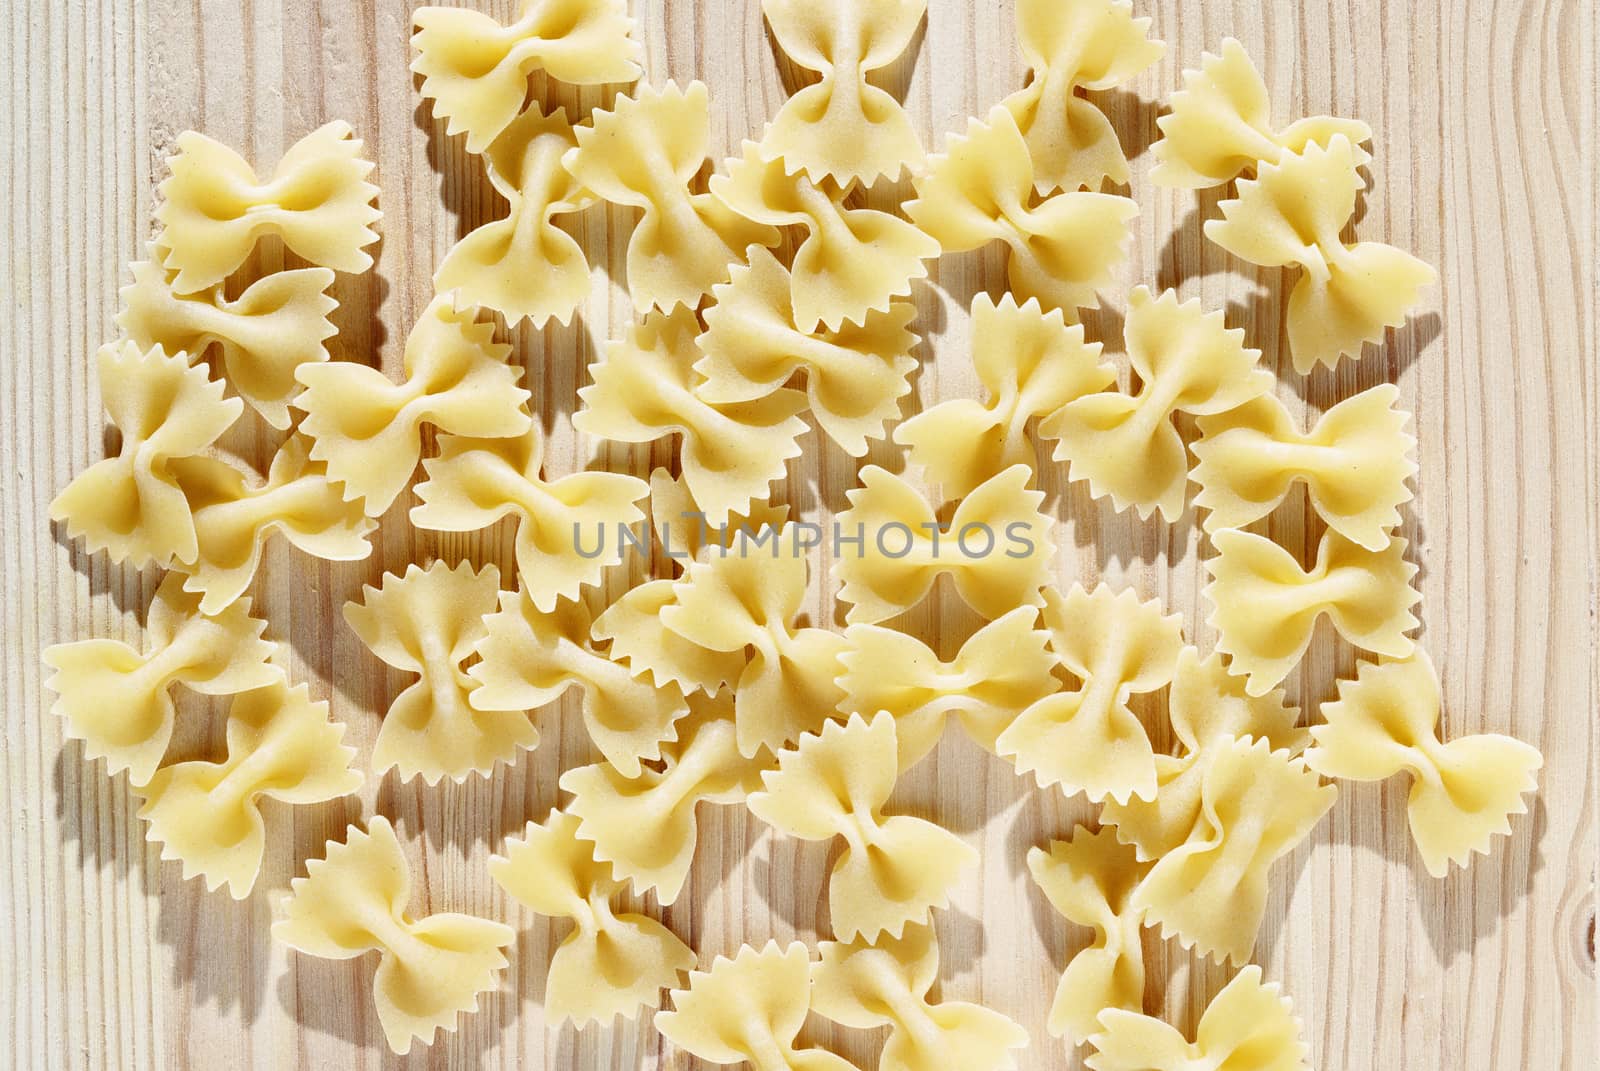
(647, 152)
(637, 639)
(1126, 445)
(1209, 709)
(528, 659)
(473, 483)
(1087, 739)
(1031, 363)
(207, 815)
(868, 984)
(214, 208)
(997, 547)
(355, 901)
(476, 71)
(1219, 125)
(855, 376)
(117, 699)
(1354, 462)
(368, 430)
(278, 323)
(613, 962)
(685, 531)
(843, 127)
(893, 870)
(1210, 892)
(1292, 215)
(523, 266)
(1068, 44)
(1089, 879)
(1463, 790)
(645, 389)
(852, 261)
(130, 505)
(1266, 606)
(1062, 250)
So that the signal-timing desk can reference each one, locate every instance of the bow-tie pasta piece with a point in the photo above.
(1291, 214)
(1220, 125)
(368, 429)
(430, 970)
(427, 623)
(1355, 464)
(749, 1009)
(843, 127)
(117, 700)
(473, 483)
(855, 376)
(1256, 806)
(213, 208)
(524, 266)
(279, 323)
(1092, 44)
(613, 962)
(1463, 791)
(233, 519)
(686, 532)
(208, 814)
(528, 659)
(1126, 445)
(1002, 669)
(131, 506)
(867, 984)
(1031, 363)
(1209, 709)
(476, 71)
(645, 826)
(894, 870)
(632, 627)
(645, 389)
(1086, 739)
(1266, 606)
(647, 152)
(1063, 249)
(997, 547)
(1089, 880)
(852, 262)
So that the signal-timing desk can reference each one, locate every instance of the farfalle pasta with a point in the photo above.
(130, 505)
(1463, 790)
(1126, 445)
(893, 870)
(476, 71)
(613, 962)
(1265, 605)
(1256, 806)
(473, 483)
(1354, 463)
(868, 984)
(207, 815)
(1031, 363)
(1070, 44)
(117, 699)
(1087, 739)
(686, 532)
(1291, 215)
(646, 152)
(843, 127)
(996, 548)
(214, 207)
(368, 429)
(355, 901)
(855, 376)
(1062, 249)
(636, 638)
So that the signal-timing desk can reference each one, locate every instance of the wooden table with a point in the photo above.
(1485, 131)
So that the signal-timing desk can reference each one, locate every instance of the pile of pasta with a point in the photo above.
(707, 685)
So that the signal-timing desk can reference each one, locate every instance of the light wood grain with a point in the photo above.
(1485, 164)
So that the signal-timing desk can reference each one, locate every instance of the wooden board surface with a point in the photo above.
(1485, 131)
